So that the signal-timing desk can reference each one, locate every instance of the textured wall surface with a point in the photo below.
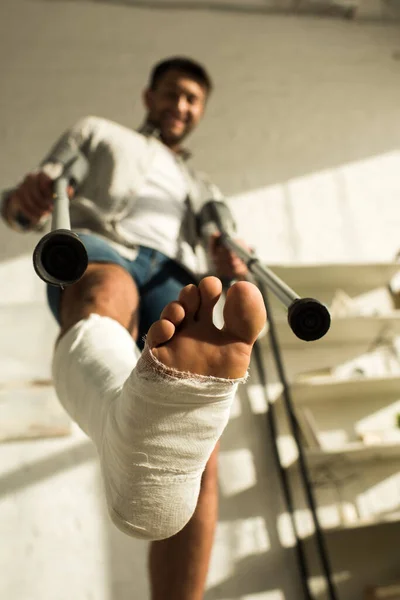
(303, 135)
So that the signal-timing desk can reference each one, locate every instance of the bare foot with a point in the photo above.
(186, 339)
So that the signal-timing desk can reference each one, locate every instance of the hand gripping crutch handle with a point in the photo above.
(308, 318)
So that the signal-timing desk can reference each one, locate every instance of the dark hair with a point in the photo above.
(184, 65)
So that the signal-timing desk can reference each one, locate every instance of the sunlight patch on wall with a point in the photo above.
(237, 471)
(348, 213)
(318, 584)
(285, 530)
(234, 542)
(382, 420)
(257, 398)
(381, 498)
(271, 595)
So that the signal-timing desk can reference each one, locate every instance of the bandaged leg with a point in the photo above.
(154, 433)
(154, 426)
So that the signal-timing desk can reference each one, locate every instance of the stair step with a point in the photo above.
(31, 410)
(27, 335)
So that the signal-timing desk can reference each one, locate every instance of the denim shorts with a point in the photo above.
(158, 279)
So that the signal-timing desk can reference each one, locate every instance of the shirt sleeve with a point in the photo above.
(75, 138)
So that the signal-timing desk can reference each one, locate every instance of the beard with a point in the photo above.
(167, 134)
(171, 139)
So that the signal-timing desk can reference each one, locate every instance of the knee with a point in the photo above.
(103, 279)
(106, 289)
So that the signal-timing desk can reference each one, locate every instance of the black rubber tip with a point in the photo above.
(309, 319)
(60, 258)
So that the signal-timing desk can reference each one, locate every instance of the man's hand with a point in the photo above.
(32, 199)
(227, 263)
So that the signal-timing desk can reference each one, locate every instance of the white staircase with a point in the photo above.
(346, 393)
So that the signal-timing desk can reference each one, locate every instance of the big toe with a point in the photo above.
(244, 312)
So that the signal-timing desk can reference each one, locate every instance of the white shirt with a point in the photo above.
(135, 191)
(157, 212)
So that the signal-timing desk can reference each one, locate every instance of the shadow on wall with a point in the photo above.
(46, 468)
(290, 7)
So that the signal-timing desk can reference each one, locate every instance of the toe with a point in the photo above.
(173, 312)
(244, 312)
(189, 298)
(160, 333)
(210, 289)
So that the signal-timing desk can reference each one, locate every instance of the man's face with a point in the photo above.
(175, 106)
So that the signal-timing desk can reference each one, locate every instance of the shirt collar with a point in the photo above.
(148, 129)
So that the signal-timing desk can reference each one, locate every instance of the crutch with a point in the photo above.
(60, 257)
(308, 318)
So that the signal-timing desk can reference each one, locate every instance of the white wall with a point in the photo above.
(303, 133)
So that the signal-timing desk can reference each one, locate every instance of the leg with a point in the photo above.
(106, 289)
(101, 308)
(109, 291)
(156, 429)
(178, 566)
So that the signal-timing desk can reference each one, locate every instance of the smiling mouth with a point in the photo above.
(174, 121)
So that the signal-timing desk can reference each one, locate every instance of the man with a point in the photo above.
(155, 420)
